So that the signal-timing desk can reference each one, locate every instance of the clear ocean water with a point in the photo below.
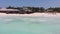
(29, 25)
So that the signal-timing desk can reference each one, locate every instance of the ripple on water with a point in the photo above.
(30, 25)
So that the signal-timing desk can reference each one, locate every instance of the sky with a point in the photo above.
(35, 3)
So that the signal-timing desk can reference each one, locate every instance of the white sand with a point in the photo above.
(34, 14)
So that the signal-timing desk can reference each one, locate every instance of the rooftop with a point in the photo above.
(9, 10)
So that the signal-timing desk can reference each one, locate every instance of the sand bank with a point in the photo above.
(34, 14)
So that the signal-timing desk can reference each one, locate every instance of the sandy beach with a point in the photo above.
(34, 14)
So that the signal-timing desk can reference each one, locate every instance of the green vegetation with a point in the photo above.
(29, 10)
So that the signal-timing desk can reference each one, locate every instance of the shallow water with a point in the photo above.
(29, 25)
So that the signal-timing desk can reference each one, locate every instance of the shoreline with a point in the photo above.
(34, 14)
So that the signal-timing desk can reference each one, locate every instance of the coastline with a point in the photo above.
(34, 14)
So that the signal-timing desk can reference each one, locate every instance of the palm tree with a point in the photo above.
(42, 9)
(10, 7)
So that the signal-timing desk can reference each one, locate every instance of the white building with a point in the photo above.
(4, 10)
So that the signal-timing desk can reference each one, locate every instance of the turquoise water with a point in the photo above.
(29, 25)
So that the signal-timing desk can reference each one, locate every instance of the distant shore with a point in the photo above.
(34, 14)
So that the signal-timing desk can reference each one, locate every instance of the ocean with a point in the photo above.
(29, 25)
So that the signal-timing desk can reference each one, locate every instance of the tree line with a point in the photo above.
(36, 9)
